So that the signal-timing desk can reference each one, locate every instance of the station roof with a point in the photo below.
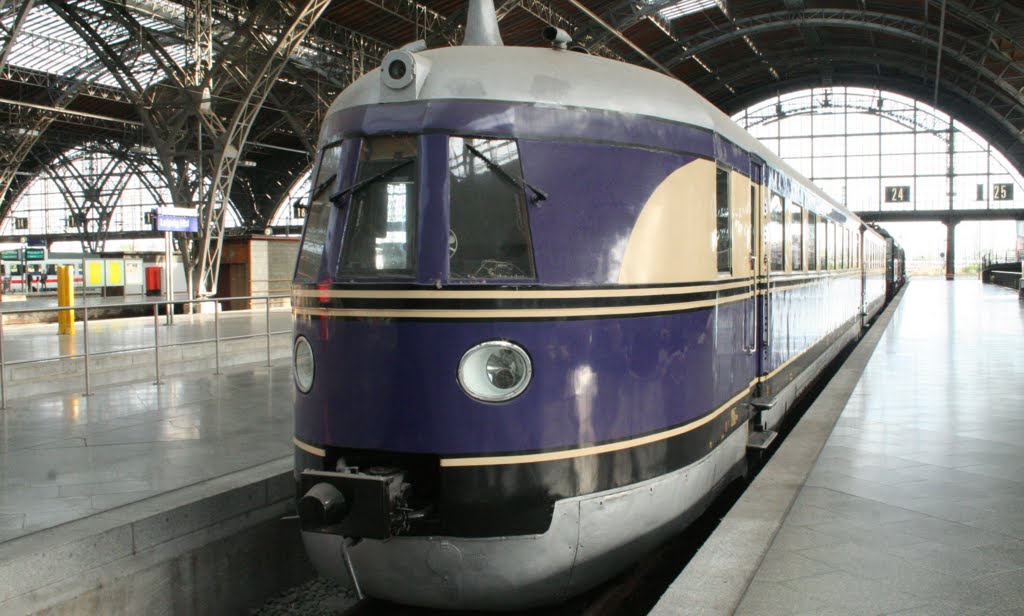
(134, 71)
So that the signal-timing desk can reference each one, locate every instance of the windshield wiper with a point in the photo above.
(538, 194)
(322, 187)
(353, 189)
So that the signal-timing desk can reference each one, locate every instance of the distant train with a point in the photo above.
(544, 303)
(27, 276)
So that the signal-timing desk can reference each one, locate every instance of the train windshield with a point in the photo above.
(380, 237)
(312, 250)
(489, 233)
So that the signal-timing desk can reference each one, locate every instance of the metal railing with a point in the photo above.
(156, 305)
(995, 258)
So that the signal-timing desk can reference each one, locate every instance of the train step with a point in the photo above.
(761, 439)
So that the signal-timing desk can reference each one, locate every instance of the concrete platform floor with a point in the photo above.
(66, 457)
(916, 503)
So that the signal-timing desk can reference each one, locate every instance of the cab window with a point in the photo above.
(312, 250)
(380, 236)
(489, 231)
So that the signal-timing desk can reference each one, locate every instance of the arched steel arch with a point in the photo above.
(914, 30)
(992, 102)
(975, 115)
(914, 81)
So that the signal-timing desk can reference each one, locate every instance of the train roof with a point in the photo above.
(560, 78)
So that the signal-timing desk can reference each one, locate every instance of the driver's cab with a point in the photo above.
(378, 211)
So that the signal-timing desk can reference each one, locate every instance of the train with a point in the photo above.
(36, 276)
(545, 307)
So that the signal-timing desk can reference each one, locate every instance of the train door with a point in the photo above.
(860, 244)
(750, 322)
(760, 255)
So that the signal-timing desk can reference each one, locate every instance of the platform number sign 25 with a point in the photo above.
(1002, 192)
(897, 194)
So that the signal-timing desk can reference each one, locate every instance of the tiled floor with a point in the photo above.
(64, 457)
(916, 505)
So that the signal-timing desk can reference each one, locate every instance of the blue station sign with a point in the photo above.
(177, 220)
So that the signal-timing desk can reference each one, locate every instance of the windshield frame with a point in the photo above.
(527, 198)
(346, 195)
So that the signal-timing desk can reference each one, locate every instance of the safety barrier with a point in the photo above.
(88, 358)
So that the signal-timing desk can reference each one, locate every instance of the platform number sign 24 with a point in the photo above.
(897, 194)
(1002, 192)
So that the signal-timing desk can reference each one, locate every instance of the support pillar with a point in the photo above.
(950, 248)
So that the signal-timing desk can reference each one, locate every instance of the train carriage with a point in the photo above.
(544, 303)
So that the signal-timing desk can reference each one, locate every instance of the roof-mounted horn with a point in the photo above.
(482, 24)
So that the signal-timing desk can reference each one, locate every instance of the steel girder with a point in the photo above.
(93, 196)
(623, 16)
(1004, 98)
(62, 92)
(914, 30)
(236, 133)
(985, 123)
(422, 17)
(53, 82)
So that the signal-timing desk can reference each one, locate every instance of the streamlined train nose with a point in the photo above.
(323, 504)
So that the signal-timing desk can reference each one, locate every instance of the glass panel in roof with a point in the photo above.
(685, 7)
(49, 44)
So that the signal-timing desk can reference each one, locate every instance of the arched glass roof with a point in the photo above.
(90, 191)
(878, 151)
(856, 142)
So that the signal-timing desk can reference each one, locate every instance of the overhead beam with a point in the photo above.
(913, 30)
(955, 215)
(622, 37)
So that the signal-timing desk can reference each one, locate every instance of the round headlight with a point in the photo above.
(397, 69)
(304, 368)
(495, 371)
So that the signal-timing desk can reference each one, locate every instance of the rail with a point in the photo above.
(156, 347)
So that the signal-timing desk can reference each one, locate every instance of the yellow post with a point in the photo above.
(65, 297)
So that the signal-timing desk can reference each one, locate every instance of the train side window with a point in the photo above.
(775, 231)
(847, 248)
(841, 244)
(380, 234)
(723, 222)
(315, 234)
(831, 261)
(822, 244)
(812, 241)
(489, 231)
(796, 236)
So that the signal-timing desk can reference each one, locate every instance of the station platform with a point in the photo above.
(915, 504)
(147, 496)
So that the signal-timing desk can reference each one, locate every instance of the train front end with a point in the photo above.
(494, 410)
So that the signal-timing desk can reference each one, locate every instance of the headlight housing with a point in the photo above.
(305, 368)
(495, 371)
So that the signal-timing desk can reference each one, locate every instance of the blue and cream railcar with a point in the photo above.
(543, 303)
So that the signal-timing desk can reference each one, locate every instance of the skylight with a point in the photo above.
(686, 7)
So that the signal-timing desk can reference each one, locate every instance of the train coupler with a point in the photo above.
(368, 504)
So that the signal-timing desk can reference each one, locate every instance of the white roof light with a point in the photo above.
(686, 7)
